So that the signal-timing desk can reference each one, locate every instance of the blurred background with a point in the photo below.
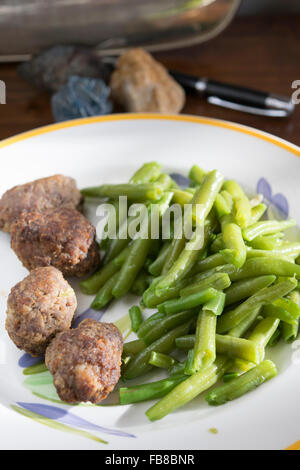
(250, 43)
(252, 7)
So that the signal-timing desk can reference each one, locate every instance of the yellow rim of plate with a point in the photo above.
(295, 446)
(163, 117)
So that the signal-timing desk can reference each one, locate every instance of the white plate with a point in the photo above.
(110, 149)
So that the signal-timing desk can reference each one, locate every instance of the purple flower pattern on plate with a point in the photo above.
(181, 180)
(69, 419)
(278, 201)
(28, 361)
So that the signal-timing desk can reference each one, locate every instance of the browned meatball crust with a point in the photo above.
(39, 195)
(62, 237)
(38, 308)
(86, 362)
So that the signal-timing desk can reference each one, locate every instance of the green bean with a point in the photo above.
(282, 314)
(203, 201)
(177, 369)
(166, 324)
(173, 254)
(139, 365)
(263, 266)
(121, 241)
(152, 300)
(243, 366)
(218, 281)
(149, 391)
(231, 346)
(188, 390)
(116, 247)
(96, 281)
(228, 198)
(120, 259)
(228, 269)
(263, 332)
(189, 363)
(239, 367)
(243, 384)
(257, 212)
(267, 227)
(229, 376)
(182, 265)
(287, 310)
(245, 324)
(289, 249)
(242, 207)
(221, 205)
(182, 197)
(186, 303)
(156, 266)
(235, 251)
(147, 173)
(294, 296)
(246, 288)
(242, 212)
(148, 324)
(133, 347)
(209, 263)
(217, 244)
(239, 347)
(105, 294)
(136, 318)
(165, 181)
(162, 361)
(234, 189)
(289, 332)
(130, 269)
(275, 254)
(191, 190)
(264, 296)
(267, 242)
(290, 305)
(134, 192)
(114, 219)
(163, 204)
(205, 196)
(197, 175)
(186, 342)
(275, 339)
(205, 341)
(215, 305)
(140, 284)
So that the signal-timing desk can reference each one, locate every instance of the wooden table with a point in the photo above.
(260, 52)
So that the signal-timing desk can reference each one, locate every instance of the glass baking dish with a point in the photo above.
(28, 26)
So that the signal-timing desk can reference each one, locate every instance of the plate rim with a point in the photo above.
(229, 125)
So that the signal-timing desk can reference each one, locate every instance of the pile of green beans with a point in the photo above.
(221, 297)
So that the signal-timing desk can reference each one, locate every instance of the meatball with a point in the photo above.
(86, 362)
(42, 194)
(38, 308)
(62, 237)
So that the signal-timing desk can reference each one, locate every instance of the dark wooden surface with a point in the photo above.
(260, 52)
